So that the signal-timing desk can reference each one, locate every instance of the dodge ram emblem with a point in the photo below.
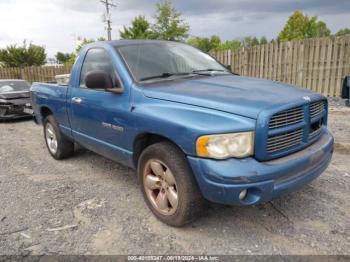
(306, 98)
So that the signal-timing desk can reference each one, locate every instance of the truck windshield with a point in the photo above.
(149, 61)
(13, 86)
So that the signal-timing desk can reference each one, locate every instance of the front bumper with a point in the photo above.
(8, 112)
(222, 181)
(14, 117)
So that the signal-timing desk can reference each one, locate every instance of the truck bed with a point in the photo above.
(55, 95)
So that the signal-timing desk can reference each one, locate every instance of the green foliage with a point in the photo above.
(250, 41)
(63, 58)
(209, 44)
(71, 60)
(204, 43)
(168, 23)
(295, 27)
(20, 56)
(317, 29)
(86, 41)
(215, 41)
(139, 29)
(343, 31)
(300, 26)
(215, 44)
(263, 40)
(229, 44)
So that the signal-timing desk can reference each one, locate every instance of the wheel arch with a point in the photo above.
(144, 140)
(45, 111)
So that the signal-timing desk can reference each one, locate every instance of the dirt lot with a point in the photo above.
(101, 207)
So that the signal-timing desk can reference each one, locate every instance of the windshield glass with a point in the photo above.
(13, 86)
(164, 59)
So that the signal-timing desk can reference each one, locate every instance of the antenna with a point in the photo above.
(108, 4)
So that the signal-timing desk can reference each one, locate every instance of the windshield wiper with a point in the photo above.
(164, 75)
(209, 70)
(194, 72)
(202, 72)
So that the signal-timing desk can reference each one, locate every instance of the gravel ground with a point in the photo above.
(90, 205)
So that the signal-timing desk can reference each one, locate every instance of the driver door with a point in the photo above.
(98, 117)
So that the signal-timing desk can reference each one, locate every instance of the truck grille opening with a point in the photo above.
(287, 117)
(315, 128)
(291, 129)
(316, 108)
(284, 140)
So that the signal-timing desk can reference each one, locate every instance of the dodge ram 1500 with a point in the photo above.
(193, 130)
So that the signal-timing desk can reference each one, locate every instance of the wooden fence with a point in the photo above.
(34, 73)
(318, 64)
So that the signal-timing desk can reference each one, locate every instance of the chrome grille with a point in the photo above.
(284, 140)
(316, 108)
(287, 117)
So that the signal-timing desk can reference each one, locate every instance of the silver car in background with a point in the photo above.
(15, 99)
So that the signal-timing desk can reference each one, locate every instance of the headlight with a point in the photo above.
(223, 146)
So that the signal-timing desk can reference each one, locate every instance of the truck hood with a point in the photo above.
(229, 93)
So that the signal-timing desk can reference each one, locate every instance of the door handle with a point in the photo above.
(76, 100)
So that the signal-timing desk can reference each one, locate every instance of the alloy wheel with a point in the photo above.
(160, 187)
(51, 138)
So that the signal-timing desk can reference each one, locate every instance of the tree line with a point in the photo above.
(298, 26)
(170, 25)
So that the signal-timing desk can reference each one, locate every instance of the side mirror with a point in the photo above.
(98, 80)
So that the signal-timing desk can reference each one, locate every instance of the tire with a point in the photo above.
(190, 203)
(60, 147)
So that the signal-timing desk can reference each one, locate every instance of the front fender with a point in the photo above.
(183, 124)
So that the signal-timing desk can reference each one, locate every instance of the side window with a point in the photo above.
(96, 59)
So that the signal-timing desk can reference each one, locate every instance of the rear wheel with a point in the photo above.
(168, 185)
(59, 147)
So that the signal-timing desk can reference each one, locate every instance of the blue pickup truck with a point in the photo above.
(193, 130)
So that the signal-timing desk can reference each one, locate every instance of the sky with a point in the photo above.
(56, 24)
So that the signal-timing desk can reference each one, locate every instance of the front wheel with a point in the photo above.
(59, 147)
(168, 185)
